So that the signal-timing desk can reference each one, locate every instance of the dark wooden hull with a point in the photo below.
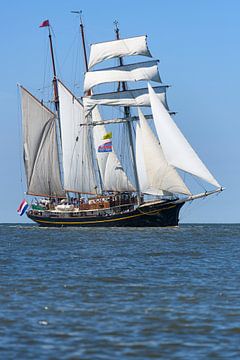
(154, 215)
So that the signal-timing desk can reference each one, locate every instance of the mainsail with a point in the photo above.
(40, 148)
(176, 148)
(78, 166)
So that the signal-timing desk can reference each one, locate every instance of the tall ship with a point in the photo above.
(114, 156)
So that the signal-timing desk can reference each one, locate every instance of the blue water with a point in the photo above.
(120, 293)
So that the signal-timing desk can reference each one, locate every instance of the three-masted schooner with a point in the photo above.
(72, 164)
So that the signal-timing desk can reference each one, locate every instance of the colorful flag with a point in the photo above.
(44, 23)
(107, 147)
(107, 136)
(22, 207)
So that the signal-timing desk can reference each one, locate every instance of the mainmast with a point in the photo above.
(129, 125)
(83, 39)
(86, 68)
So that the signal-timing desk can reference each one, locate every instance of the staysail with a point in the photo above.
(78, 167)
(40, 148)
(154, 173)
(112, 173)
(176, 148)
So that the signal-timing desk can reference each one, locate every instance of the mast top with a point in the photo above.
(83, 37)
(78, 12)
(116, 29)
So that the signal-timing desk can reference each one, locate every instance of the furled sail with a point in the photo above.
(112, 173)
(134, 72)
(124, 47)
(154, 172)
(78, 167)
(176, 148)
(135, 97)
(40, 148)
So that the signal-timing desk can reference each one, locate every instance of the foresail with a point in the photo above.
(134, 72)
(145, 187)
(154, 172)
(78, 167)
(124, 47)
(176, 148)
(112, 173)
(135, 97)
(40, 148)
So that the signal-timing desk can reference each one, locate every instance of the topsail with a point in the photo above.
(134, 72)
(112, 49)
(133, 97)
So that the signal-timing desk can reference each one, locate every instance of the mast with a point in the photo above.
(129, 126)
(55, 89)
(86, 68)
(83, 43)
(56, 98)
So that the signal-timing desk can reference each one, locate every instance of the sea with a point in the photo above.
(120, 293)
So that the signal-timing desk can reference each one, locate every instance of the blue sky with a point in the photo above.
(197, 43)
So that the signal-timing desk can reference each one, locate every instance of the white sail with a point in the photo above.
(155, 174)
(141, 169)
(134, 72)
(113, 176)
(124, 47)
(78, 168)
(40, 148)
(135, 97)
(177, 150)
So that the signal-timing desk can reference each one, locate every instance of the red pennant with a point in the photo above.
(44, 23)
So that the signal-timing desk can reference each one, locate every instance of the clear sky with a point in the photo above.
(198, 44)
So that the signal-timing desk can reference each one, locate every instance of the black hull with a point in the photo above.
(155, 215)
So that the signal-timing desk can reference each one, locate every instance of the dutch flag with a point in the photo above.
(22, 207)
